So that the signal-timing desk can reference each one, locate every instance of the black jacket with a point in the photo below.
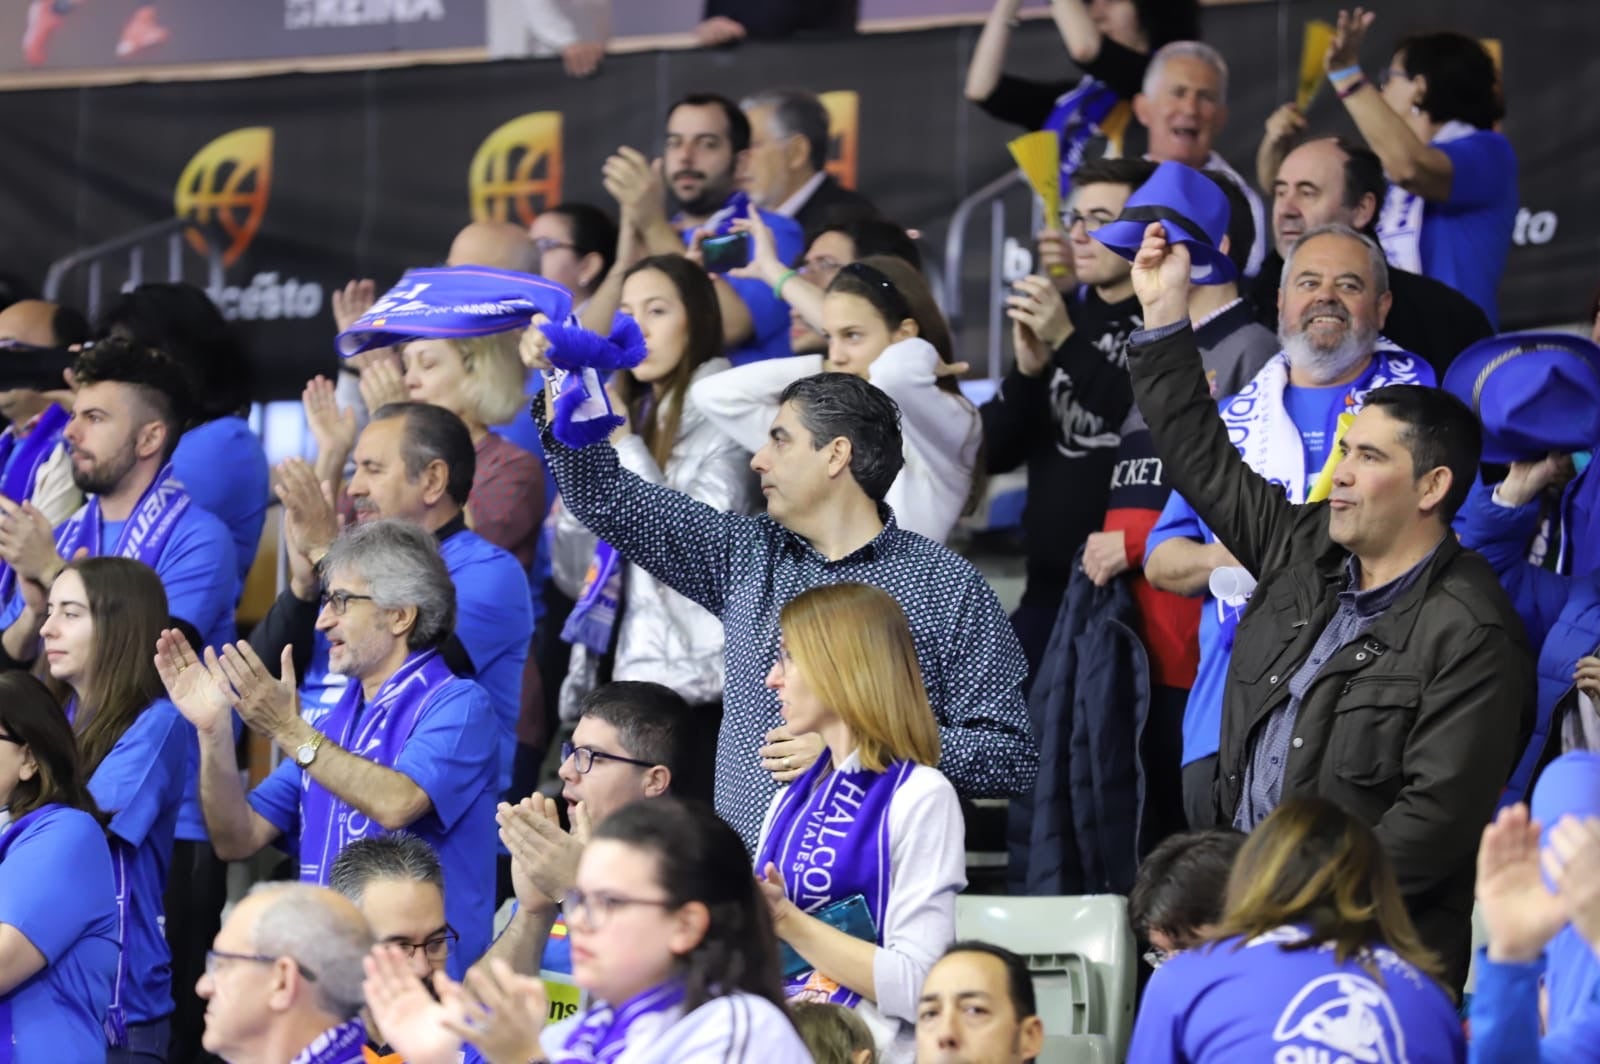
(832, 202)
(1415, 726)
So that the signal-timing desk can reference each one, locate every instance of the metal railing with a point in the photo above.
(97, 258)
(992, 196)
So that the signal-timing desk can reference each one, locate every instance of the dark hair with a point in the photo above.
(1462, 83)
(831, 405)
(398, 856)
(1363, 176)
(872, 236)
(1019, 981)
(593, 232)
(654, 723)
(798, 112)
(434, 434)
(1129, 172)
(29, 714)
(658, 416)
(1440, 430)
(156, 376)
(68, 326)
(1241, 222)
(701, 859)
(1165, 21)
(182, 321)
(1313, 863)
(1182, 885)
(738, 124)
(128, 607)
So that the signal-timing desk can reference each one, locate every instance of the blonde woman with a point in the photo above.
(871, 829)
(1315, 958)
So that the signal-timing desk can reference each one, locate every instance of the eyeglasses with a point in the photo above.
(592, 911)
(583, 758)
(339, 601)
(819, 270)
(436, 948)
(214, 957)
(1091, 222)
(1388, 74)
(550, 243)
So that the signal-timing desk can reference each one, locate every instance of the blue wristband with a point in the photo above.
(1335, 75)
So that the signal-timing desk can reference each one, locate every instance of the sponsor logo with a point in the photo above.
(516, 172)
(844, 134)
(317, 14)
(228, 184)
(1341, 1018)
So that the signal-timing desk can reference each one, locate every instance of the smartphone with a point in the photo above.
(849, 915)
(723, 253)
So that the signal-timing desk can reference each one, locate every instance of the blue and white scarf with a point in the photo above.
(25, 456)
(1076, 119)
(146, 532)
(602, 1035)
(829, 839)
(1400, 220)
(344, 1044)
(736, 206)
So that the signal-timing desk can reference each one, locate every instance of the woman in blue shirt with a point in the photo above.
(102, 622)
(58, 908)
(1315, 959)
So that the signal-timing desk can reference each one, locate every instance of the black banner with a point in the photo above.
(320, 178)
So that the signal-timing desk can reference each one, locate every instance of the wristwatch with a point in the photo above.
(306, 752)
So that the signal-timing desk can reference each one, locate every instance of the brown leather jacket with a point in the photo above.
(1415, 726)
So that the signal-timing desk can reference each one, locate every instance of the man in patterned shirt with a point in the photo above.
(833, 451)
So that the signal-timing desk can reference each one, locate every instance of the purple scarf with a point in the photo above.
(8, 835)
(377, 732)
(736, 205)
(337, 1045)
(830, 839)
(144, 535)
(603, 1033)
(453, 303)
(25, 456)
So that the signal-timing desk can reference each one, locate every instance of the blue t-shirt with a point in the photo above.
(451, 754)
(769, 315)
(56, 887)
(1220, 1004)
(1466, 238)
(140, 783)
(494, 622)
(224, 468)
(1315, 412)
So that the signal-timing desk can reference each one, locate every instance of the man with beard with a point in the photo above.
(1380, 666)
(707, 143)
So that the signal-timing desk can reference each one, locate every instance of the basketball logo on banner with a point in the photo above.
(516, 172)
(228, 183)
(844, 109)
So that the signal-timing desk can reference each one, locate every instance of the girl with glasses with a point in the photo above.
(881, 323)
(58, 906)
(101, 624)
(671, 942)
(871, 827)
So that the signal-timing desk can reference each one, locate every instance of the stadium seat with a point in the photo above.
(1081, 953)
(1076, 1049)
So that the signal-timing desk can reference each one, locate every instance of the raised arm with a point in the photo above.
(989, 55)
(742, 401)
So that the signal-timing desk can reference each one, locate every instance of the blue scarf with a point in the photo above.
(454, 303)
(582, 413)
(8, 835)
(337, 1045)
(737, 205)
(829, 839)
(24, 458)
(147, 530)
(378, 732)
(594, 617)
(1076, 119)
(602, 1035)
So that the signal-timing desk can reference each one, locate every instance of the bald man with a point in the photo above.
(34, 465)
(498, 245)
(284, 973)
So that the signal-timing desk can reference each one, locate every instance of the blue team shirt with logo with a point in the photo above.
(1257, 1001)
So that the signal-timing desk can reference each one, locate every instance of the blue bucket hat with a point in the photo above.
(1535, 393)
(1193, 210)
(1569, 786)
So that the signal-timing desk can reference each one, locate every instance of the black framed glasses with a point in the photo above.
(550, 243)
(339, 601)
(593, 910)
(583, 758)
(435, 947)
(214, 957)
(1091, 222)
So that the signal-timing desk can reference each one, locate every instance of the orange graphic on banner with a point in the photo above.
(228, 183)
(516, 172)
(844, 134)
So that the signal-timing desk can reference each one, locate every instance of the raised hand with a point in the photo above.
(765, 265)
(1573, 860)
(27, 542)
(1036, 304)
(199, 689)
(1161, 278)
(333, 429)
(544, 859)
(1344, 50)
(1285, 124)
(1520, 914)
(635, 183)
(269, 705)
(310, 521)
(407, 1016)
(1526, 480)
(383, 383)
(498, 1011)
(352, 301)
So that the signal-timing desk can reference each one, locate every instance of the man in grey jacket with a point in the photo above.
(1379, 665)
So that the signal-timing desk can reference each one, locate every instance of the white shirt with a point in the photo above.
(736, 1029)
(1258, 250)
(792, 205)
(927, 869)
(941, 430)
